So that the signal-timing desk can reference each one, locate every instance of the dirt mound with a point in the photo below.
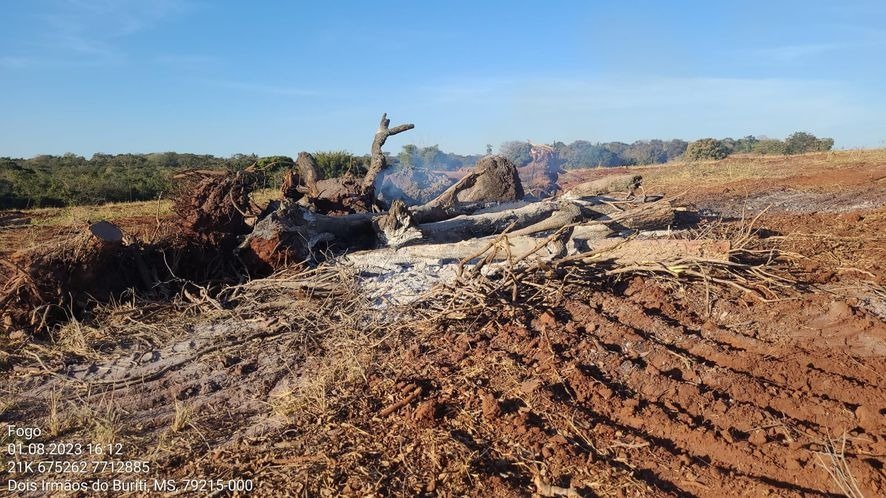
(50, 280)
(415, 186)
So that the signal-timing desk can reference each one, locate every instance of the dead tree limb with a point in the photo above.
(378, 162)
(619, 250)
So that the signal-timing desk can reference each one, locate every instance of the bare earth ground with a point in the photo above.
(637, 387)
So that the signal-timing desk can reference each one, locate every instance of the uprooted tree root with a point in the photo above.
(214, 209)
(59, 280)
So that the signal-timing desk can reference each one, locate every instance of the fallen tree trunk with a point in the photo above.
(482, 225)
(294, 234)
(496, 248)
(608, 184)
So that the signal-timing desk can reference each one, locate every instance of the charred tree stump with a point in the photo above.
(333, 196)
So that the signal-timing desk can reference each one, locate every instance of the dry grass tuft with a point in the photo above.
(182, 417)
(342, 335)
(833, 460)
(107, 427)
(55, 424)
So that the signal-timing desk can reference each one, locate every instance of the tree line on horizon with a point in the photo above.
(70, 179)
(585, 154)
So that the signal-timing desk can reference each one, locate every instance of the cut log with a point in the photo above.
(611, 183)
(646, 216)
(378, 162)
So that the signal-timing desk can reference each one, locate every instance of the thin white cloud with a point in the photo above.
(89, 32)
(791, 53)
(188, 61)
(256, 87)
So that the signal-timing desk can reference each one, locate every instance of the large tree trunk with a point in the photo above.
(494, 179)
(378, 162)
(503, 248)
(607, 184)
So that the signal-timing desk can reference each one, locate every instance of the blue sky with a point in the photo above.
(223, 77)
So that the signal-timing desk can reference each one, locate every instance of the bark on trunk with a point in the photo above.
(613, 183)
(622, 251)
(307, 170)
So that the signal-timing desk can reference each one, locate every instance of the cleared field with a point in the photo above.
(641, 386)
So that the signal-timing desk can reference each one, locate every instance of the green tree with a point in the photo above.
(769, 146)
(431, 157)
(800, 142)
(744, 145)
(409, 157)
(706, 149)
(331, 164)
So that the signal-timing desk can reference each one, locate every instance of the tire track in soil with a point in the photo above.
(722, 421)
(687, 421)
(687, 322)
(797, 378)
